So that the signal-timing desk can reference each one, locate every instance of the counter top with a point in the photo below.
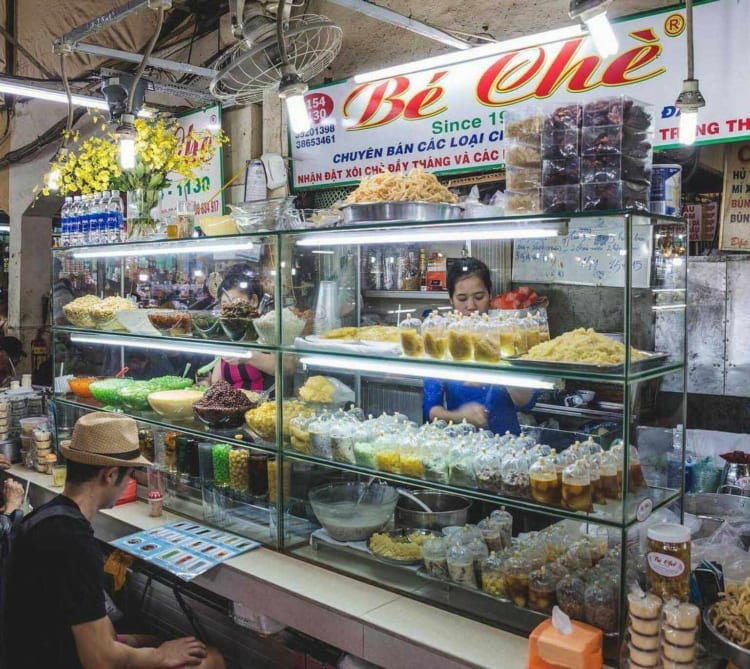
(370, 622)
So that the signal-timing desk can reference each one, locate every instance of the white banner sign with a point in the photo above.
(201, 191)
(450, 119)
(735, 203)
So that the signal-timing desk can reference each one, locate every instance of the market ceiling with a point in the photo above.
(367, 42)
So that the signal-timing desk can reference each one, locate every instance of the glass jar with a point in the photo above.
(576, 487)
(501, 519)
(542, 595)
(460, 561)
(435, 336)
(342, 442)
(571, 596)
(411, 338)
(485, 341)
(668, 561)
(515, 471)
(257, 481)
(545, 487)
(239, 471)
(516, 570)
(493, 578)
(460, 340)
(434, 554)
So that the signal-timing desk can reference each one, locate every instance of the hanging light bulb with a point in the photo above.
(292, 90)
(126, 134)
(593, 13)
(53, 176)
(690, 99)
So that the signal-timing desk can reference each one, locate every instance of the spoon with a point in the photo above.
(413, 498)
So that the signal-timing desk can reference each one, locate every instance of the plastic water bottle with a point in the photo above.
(255, 181)
(84, 216)
(75, 221)
(65, 221)
(95, 219)
(115, 218)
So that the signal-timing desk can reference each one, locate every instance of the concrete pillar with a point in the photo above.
(274, 130)
(244, 127)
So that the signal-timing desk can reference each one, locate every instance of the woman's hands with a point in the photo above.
(13, 493)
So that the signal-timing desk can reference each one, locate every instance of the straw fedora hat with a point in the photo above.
(105, 440)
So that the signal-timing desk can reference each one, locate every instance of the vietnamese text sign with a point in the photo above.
(450, 119)
(735, 203)
(201, 191)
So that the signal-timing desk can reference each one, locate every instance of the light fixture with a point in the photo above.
(155, 344)
(532, 229)
(127, 135)
(165, 248)
(4, 228)
(292, 90)
(493, 49)
(429, 371)
(53, 176)
(12, 87)
(689, 101)
(594, 14)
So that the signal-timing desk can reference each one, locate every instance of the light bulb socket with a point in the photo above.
(690, 98)
(291, 83)
(586, 9)
(126, 129)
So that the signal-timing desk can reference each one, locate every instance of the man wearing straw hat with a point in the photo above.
(54, 613)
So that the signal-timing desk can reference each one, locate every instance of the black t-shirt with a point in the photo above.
(55, 580)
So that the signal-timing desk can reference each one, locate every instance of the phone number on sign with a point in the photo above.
(315, 141)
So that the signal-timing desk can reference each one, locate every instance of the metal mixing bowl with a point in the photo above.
(446, 510)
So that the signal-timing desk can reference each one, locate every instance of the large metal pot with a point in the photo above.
(446, 510)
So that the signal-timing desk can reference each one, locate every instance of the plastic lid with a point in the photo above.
(669, 533)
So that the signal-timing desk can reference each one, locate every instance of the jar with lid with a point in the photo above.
(299, 433)
(542, 595)
(487, 468)
(571, 596)
(486, 340)
(545, 487)
(387, 453)
(320, 436)
(461, 565)
(503, 521)
(493, 577)
(576, 487)
(409, 331)
(434, 554)
(668, 561)
(342, 441)
(515, 471)
(461, 467)
(516, 570)
(601, 604)
(608, 472)
(460, 339)
(435, 336)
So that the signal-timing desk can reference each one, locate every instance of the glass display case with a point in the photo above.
(324, 439)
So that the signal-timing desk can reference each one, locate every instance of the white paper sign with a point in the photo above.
(450, 119)
(593, 253)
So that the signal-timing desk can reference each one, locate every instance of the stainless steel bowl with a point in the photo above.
(446, 510)
(392, 212)
(11, 449)
(737, 655)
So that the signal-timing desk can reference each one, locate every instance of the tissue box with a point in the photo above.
(548, 649)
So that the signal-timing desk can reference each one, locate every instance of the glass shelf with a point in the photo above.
(191, 427)
(609, 514)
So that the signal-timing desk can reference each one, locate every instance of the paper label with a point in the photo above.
(665, 565)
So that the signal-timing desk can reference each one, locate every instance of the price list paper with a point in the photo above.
(735, 208)
(184, 548)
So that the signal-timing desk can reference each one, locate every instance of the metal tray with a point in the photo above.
(653, 360)
(738, 655)
(403, 534)
(394, 212)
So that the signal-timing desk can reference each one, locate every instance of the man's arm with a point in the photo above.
(97, 647)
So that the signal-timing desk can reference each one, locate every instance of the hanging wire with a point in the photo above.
(66, 85)
(146, 55)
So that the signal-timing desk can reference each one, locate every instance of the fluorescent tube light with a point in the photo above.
(4, 228)
(299, 119)
(602, 34)
(188, 246)
(427, 371)
(493, 49)
(522, 230)
(154, 344)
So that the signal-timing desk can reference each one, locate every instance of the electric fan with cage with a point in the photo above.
(256, 62)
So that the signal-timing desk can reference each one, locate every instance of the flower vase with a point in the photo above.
(141, 221)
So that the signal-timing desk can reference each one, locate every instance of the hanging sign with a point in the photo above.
(202, 190)
(735, 203)
(450, 119)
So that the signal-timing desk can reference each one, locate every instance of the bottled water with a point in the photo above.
(85, 219)
(75, 221)
(65, 219)
(95, 219)
(115, 218)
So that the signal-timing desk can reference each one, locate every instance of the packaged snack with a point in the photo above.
(522, 178)
(560, 199)
(560, 144)
(562, 172)
(545, 487)
(460, 561)
(523, 202)
(493, 578)
(576, 487)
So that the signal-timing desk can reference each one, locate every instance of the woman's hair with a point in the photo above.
(243, 278)
(464, 268)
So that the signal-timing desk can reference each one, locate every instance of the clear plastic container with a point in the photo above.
(516, 571)
(515, 472)
(560, 199)
(434, 554)
(571, 596)
(387, 453)
(342, 442)
(486, 341)
(577, 492)
(460, 561)
(410, 333)
(480, 552)
(460, 342)
(523, 202)
(561, 172)
(545, 487)
(564, 117)
(493, 577)
(523, 178)
(601, 604)
(503, 521)
(523, 125)
(320, 436)
(435, 336)
(365, 455)
(609, 473)
(542, 595)
(461, 467)
(487, 467)
(560, 144)
(300, 435)
(614, 195)
(606, 168)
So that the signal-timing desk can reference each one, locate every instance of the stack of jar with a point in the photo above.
(45, 457)
(4, 420)
(486, 338)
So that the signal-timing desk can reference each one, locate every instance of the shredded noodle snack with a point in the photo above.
(417, 186)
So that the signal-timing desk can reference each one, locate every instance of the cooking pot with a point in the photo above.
(446, 510)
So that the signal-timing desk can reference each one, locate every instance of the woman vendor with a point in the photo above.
(485, 406)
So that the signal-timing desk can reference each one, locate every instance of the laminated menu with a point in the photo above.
(184, 548)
